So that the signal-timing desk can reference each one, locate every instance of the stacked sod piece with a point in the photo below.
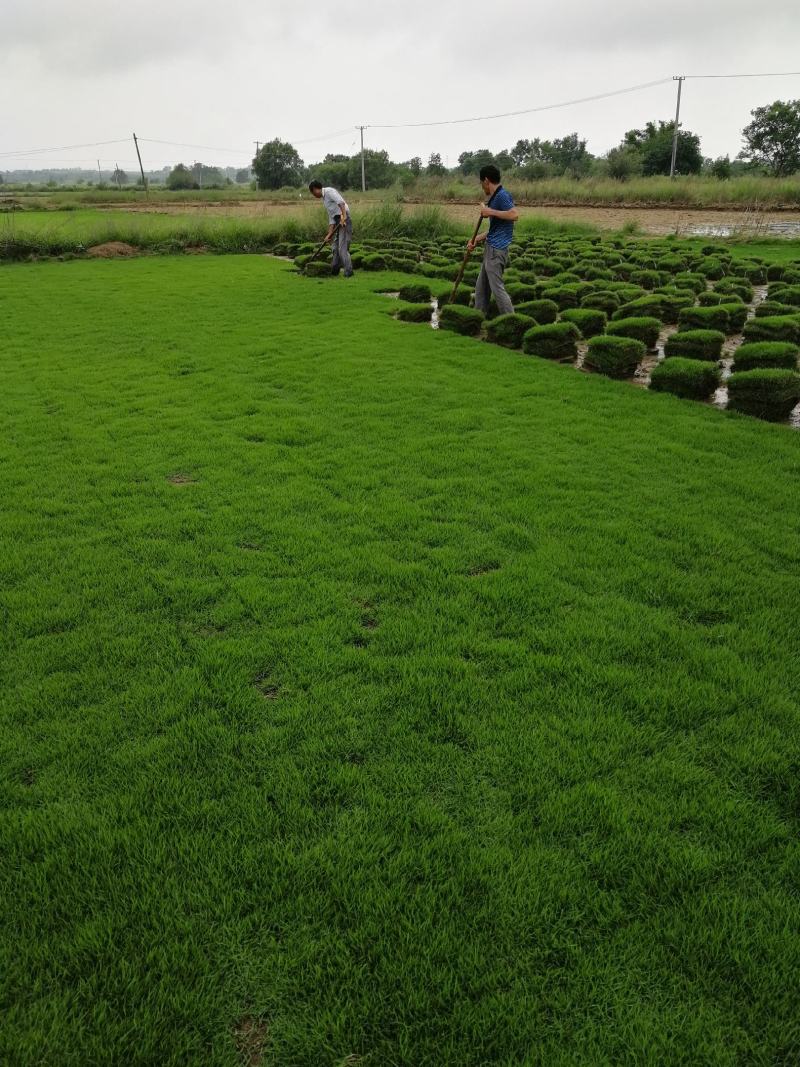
(770, 393)
(614, 356)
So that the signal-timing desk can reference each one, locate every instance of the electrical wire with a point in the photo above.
(776, 74)
(525, 111)
(29, 153)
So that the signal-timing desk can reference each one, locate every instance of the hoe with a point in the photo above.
(467, 254)
(318, 251)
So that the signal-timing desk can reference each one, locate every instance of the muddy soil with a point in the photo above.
(112, 250)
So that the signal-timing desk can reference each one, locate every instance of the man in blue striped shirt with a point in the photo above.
(500, 209)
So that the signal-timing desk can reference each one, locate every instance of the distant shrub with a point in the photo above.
(508, 330)
(774, 272)
(641, 328)
(777, 328)
(556, 341)
(415, 293)
(768, 394)
(616, 357)
(756, 354)
(461, 319)
(695, 344)
(791, 274)
(415, 313)
(690, 378)
(705, 318)
(588, 321)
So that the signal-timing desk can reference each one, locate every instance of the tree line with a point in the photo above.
(771, 145)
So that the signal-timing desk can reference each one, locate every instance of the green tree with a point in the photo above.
(568, 155)
(119, 177)
(379, 170)
(654, 143)
(334, 170)
(180, 177)
(276, 164)
(435, 165)
(415, 166)
(624, 162)
(720, 167)
(471, 162)
(773, 137)
(520, 153)
(243, 176)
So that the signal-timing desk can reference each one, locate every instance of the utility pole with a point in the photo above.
(141, 168)
(258, 146)
(363, 171)
(116, 175)
(99, 175)
(679, 78)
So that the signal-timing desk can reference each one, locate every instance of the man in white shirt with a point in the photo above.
(340, 226)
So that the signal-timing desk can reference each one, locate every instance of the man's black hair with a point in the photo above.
(491, 172)
(316, 184)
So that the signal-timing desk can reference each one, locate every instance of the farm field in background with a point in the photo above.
(374, 695)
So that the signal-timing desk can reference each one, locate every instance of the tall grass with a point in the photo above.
(750, 192)
(23, 236)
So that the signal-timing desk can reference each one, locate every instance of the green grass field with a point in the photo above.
(376, 696)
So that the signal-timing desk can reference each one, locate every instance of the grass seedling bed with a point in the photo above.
(373, 695)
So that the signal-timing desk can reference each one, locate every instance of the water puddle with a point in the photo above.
(746, 228)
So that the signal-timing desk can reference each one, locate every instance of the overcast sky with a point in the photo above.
(227, 74)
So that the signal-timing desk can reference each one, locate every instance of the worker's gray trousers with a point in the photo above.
(340, 245)
(490, 281)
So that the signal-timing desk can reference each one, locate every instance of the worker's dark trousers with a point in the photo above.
(490, 281)
(340, 246)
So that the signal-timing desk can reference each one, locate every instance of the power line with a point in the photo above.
(202, 147)
(325, 136)
(525, 111)
(29, 153)
(775, 74)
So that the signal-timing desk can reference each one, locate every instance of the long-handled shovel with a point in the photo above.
(464, 264)
(319, 250)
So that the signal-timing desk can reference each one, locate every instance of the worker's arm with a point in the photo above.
(343, 211)
(472, 244)
(492, 213)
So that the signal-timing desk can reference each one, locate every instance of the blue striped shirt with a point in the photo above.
(501, 231)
